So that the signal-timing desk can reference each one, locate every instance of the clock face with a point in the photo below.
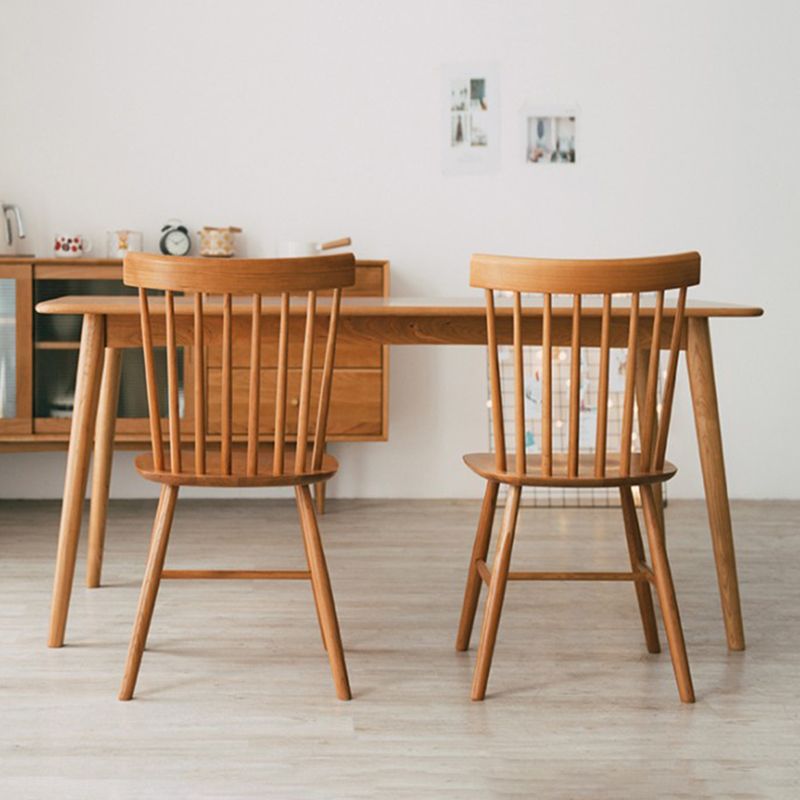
(177, 243)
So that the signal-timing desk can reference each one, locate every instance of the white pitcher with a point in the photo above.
(9, 243)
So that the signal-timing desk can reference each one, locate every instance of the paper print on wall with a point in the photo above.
(550, 135)
(471, 114)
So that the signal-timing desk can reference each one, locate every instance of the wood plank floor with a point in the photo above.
(235, 698)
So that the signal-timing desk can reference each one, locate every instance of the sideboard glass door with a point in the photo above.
(15, 358)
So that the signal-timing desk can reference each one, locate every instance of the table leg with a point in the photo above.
(87, 385)
(101, 464)
(709, 439)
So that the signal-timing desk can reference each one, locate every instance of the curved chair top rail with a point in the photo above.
(578, 278)
(202, 277)
(238, 275)
(589, 276)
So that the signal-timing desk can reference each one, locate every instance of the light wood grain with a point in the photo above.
(644, 597)
(101, 464)
(421, 321)
(576, 708)
(87, 389)
(596, 276)
(230, 466)
(666, 596)
(483, 464)
(630, 466)
(496, 594)
(709, 441)
(238, 276)
(600, 447)
(414, 309)
(480, 550)
(323, 593)
(152, 579)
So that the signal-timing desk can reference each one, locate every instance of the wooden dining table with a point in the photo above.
(111, 323)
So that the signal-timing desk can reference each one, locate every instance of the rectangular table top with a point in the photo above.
(396, 306)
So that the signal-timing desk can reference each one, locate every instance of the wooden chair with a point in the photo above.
(630, 325)
(226, 463)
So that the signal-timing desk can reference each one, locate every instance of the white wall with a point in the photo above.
(320, 119)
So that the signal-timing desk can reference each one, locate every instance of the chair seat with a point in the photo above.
(484, 465)
(238, 476)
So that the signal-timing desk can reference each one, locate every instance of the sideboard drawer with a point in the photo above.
(356, 401)
(350, 351)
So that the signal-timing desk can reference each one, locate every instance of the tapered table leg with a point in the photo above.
(87, 386)
(101, 467)
(709, 439)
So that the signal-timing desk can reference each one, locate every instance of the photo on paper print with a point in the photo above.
(550, 139)
(471, 119)
(458, 130)
(459, 95)
(479, 129)
(469, 113)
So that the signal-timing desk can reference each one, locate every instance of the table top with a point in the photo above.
(395, 306)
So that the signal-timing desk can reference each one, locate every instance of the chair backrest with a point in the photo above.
(201, 278)
(550, 277)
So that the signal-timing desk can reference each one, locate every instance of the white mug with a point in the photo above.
(71, 245)
(297, 249)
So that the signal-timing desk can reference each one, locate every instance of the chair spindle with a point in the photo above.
(254, 397)
(669, 382)
(226, 422)
(172, 385)
(150, 381)
(496, 398)
(630, 388)
(519, 388)
(199, 388)
(648, 424)
(574, 389)
(280, 387)
(305, 385)
(321, 426)
(547, 385)
(602, 390)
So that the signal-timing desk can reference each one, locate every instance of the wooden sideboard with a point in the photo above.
(38, 360)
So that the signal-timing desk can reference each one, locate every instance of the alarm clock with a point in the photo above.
(175, 240)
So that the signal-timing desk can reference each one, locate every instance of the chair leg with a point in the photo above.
(322, 589)
(313, 585)
(497, 590)
(150, 584)
(480, 550)
(666, 596)
(633, 535)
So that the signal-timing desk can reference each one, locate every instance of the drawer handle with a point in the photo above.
(294, 401)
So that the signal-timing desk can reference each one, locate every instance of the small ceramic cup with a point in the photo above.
(71, 245)
(118, 243)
